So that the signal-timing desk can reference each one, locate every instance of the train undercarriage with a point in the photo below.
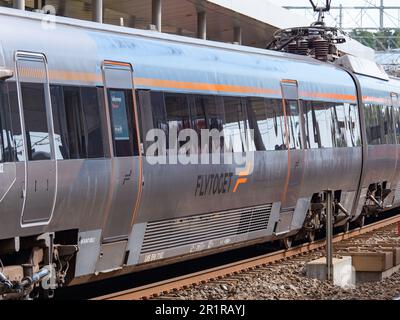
(34, 267)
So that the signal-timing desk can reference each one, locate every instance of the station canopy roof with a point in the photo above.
(259, 19)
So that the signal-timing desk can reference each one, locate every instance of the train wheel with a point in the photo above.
(287, 242)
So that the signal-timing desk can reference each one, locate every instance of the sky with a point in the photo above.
(352, 18)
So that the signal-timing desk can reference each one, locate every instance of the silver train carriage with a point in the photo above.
(79, 199)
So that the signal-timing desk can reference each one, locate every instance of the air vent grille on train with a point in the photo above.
(173, 233)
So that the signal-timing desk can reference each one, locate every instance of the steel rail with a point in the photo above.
(201, 277)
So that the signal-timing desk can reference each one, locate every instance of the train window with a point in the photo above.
(18, 142)
(123, 124)
(353, 125)
(60, 129)
(318, 119)
(94, 122)
(178, 117)
(274, 138)
(396, 113)
(293, 124)
(74, 123)
(235, 124)
(339, 124)
(36, 125)
(159, 113)
(379, 125)
(198, 106)
(6, 154)
(258, 122)
(3, 131)
(215, 116)
(387, 117)
(310, 129)
(372, 124)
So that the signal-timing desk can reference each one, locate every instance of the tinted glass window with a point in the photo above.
(389, 131)
(235, 124)
(329, 125)
(178, 117)
(215, 116)
(59, 122)
(397, 122)
(198, 107)
(338, 124)
(93, 123)
(379, 124)
(122, 118)
(275, 125)
(36, 127)
(18, 143)
(159, 112)
(353, 125)
(258, 122)
(318, 119)
(293, 124)
(151, 111)
(208, 113)
(74, 123)
(6, 142)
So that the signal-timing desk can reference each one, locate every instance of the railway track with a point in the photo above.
(183, 282)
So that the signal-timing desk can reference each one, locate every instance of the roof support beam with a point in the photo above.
(19, 4)
(202, 25)
(157, 14)
(97, 10)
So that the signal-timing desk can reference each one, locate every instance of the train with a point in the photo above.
(82, 200)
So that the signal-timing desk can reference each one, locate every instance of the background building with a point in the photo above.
(250, 22)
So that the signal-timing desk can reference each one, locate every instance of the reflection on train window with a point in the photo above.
(353, 131)
(59, 123)
(338, 125)
(74, 123)
(78, 123)
(123, 124)
(215, 115)
(331, 125)
(6, 145)
(18, 142)
(3, 128)
(159, 113)
(198, 106)
(178, 117)
(36, 126)
(235, 124)
(396, 112)
(379, 125)
(93, 123)
(293, 124)
(258, 122)
(275, 128)
(327, 124)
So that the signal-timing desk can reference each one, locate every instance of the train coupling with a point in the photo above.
(21, 289)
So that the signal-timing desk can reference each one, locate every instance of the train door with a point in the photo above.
(126, 159)
(396, 115)
(39, 188)
(294, 143)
